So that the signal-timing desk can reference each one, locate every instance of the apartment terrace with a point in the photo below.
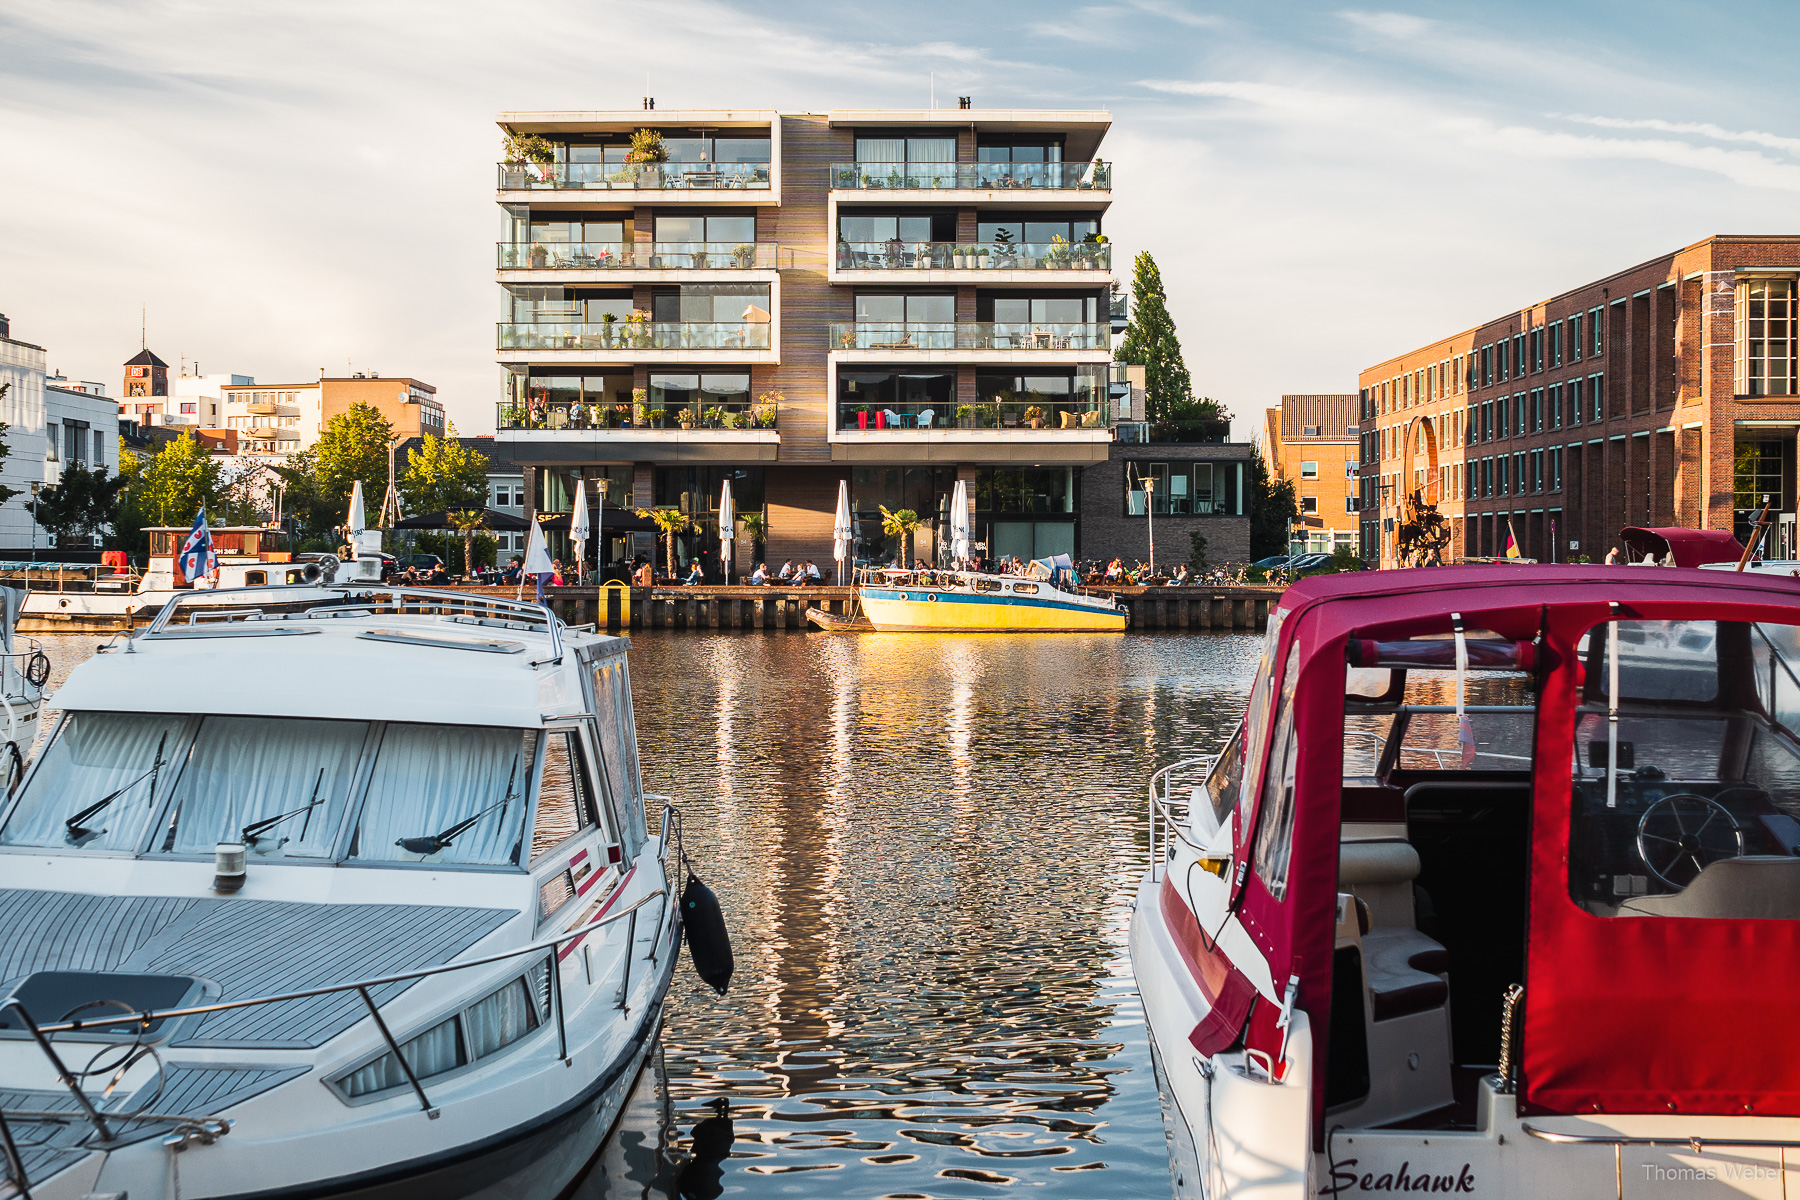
(972, 341)
(713, 157)
(639, 341)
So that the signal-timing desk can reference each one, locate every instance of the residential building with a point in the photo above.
(1663, 394)
(1314, 442)
(22, 409)
(198, 400)
(80, 427)
(58, 379)
(282, 418)
(892, 299)
(145, 396)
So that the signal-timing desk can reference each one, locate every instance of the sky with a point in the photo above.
(283, 187)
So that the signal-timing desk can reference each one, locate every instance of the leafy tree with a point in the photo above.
(353, 445)
(902, 524)
(1273, 510)
(86, 502)
(443, 475)
(1151, 342)
(304, 501)
(171, 485)
(669, 522)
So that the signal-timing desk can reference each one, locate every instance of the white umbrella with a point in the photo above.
(356, 522)
(578, 523)
(840, 529)
(537, 559)
(959, 520)
(727, 528)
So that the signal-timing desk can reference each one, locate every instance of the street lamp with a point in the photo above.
(600, 533)
(1150, 517)
(36, 486)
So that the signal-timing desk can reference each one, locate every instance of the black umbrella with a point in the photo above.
(499, 521)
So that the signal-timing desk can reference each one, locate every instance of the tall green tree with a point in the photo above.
(353, 446)
(85, 503)
(1151, 342)
(1273, 509)
(442, 476)
(171, 485)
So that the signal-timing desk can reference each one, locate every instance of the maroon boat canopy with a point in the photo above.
(1691, 547)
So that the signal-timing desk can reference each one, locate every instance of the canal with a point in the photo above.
(926, 848)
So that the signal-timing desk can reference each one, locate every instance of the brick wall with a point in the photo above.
(1106, 530)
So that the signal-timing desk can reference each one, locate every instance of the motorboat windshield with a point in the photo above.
(284, 787)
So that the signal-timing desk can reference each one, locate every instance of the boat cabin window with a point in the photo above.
(986, 585)
(1226, 776)
(278, 785)
(447, 794)
(1025, 589)
(253, 578)
(1275, 819)
(1686, 796)
(616, 727)
(100, 782)
(564, 806)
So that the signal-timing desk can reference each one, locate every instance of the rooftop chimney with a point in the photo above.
(962, 101)
(649, 103)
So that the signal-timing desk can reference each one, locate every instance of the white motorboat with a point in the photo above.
(24, 670)
(87, 599)
(1331, 938)
(352, 893)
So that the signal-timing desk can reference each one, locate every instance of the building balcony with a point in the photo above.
(616, 257)
(573, 432)
(1087, 264)
(994, 416)
(637, 341)
(971, 341)
(709, 177)
(972, 177)
(591, 417)
(1040, 433)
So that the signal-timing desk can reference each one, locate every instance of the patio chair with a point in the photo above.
(894, 419)
(925, 418)
(1009, 420)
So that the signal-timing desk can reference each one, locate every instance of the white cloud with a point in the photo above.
(1699, 128)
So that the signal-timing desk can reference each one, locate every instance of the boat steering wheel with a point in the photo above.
(1680, 835)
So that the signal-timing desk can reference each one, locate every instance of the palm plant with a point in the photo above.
(902, 524)
(756, 528)
(467, 521)
(669, 522)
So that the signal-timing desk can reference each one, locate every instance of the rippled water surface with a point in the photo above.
(925, 847)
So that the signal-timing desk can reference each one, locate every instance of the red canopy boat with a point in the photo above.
(1496, 886)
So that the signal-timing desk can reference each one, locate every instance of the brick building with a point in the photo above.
(1315, 442)
(1198, 487)
(1663, 394)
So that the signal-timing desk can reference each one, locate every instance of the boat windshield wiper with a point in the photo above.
(75, 827)
(432, 843)
(252, 833)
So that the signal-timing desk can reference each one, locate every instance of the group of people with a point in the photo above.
(804, 574)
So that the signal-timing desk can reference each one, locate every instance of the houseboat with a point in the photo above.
(309, 896)
(1331, 939)
(1045, 598)
(96, 600)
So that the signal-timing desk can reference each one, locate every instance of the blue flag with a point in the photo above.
(197, 558)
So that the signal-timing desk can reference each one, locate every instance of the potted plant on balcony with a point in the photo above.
(862, 417)
(639, 332)
(744, 255)
(656, 417)
(767, 405)
(965, 416)
(527, 152)
(732, 420)
(640, 415)
(540, 256)
(1034, 416)
(684, 417)
(513, 417)
(647, 147)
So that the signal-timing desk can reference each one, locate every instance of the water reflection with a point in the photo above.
(925, 848)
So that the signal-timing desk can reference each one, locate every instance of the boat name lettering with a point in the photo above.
(1345, 1179)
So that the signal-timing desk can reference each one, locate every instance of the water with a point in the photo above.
(925, 847)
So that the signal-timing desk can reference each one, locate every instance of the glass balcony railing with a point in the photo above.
(635, 177)
(993, 413)
(636, 256)
(983, 176)
(573, 414)
(969, 335)
(974, 256)
(635, 335)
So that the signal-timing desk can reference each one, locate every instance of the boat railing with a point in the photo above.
(224, 606)
(188, 1128)
(68, 577)
(1170, 810)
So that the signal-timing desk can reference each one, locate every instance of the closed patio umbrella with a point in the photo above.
(578, 525)
(959, 521)
(841, 530)
(727, 528)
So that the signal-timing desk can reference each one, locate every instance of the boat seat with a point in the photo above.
(1381, 875)
(1405, 972)
(1754, 886)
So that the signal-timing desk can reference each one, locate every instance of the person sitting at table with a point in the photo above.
(813, 578)
(760, 576)
(787, 572)
(696, 577)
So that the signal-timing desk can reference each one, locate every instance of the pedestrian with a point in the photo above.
(556, 575)
(1612, 557)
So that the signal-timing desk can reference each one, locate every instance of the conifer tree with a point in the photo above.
(1152, 343)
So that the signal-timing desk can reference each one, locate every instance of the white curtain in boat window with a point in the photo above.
(428, 778)
(93, 755)
(247, 769)
(618, 747)
(503, 1018)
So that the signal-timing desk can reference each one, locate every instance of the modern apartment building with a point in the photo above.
(1663, 394)
(282, 418)
(896, 299)
(1315, 442)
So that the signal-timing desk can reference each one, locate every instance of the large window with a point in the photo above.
(1037, 310)
(101, 781)
(1757, 474)
(1184, 489)
(1040, 230)
(704, 397)
(904, 398)
(735, 228)
(447, 794)
(1067, 399)
(712, 303)
(1766, 337)
(869, 229)
(900, 150)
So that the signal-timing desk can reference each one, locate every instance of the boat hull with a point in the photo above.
(931, 610)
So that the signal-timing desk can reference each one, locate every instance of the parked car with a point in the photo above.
(1273, 562)
(423, 563)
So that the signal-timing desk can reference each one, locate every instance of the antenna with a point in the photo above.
(934, 89)
(143, 328)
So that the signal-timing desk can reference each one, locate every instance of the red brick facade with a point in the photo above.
(1629, 407)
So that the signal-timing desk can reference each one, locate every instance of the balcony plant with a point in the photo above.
(1034, 416)
(684, 417)
(744, 255)
(522, 148)
(768, 405)
(732, 420)
(640, 414)
(513, 417)
(647, 147)
(965, 416)
(656, 417)
(540, 256)
(606, 327)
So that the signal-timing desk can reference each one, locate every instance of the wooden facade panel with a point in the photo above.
(802, 505)
(808, 302)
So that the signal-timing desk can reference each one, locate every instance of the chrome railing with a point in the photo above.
(970, 335)
(977, 176)
(1169, 815)
(1010, 416)
(632, 177)
(896, 254)
(636, 256)
(576, 415)
(211, 1126)
(634, 335)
